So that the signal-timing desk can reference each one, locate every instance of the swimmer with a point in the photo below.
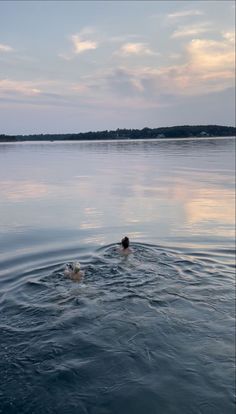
(125, 249)
(73, 271)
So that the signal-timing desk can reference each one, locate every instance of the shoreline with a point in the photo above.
(57, 141)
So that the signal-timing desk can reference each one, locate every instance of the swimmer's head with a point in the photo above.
(125, 242)
(76, 267)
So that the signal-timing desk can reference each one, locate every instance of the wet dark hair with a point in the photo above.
(125, 242)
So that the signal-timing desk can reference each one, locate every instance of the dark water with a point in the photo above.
(151, 333)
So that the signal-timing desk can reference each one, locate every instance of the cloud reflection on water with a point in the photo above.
(186, 203)
(17, 191)
(162, 188)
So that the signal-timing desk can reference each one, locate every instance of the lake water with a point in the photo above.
(153, 333)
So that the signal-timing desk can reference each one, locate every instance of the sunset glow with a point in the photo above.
(173, 64)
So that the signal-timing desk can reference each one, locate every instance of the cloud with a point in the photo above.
(81, 42)
(209, 67)
(192, 30)
(135, 49)
(213, 56)
(81, 45)
(5, 48)
(229, 36)
(21, 87)
(184, 13)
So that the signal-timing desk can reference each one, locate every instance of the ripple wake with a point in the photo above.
(151, 332)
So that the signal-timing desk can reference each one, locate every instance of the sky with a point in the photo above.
(75, 66)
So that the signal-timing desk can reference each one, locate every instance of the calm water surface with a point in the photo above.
(150, 334)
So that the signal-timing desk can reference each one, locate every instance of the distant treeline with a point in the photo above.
(185, 131)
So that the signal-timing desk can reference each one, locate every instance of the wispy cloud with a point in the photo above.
(183, 14)
(192, 30)
(135, 49)
(5, 48)
(22, 87)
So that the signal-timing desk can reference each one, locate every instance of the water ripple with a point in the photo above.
(133, 329)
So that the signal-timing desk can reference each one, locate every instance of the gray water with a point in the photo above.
(151, 333)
